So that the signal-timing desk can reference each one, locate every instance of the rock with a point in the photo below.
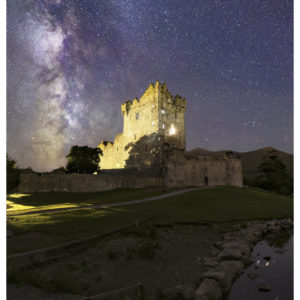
(185, 292)
(224, 279)
(209, 289)
(246, 260)
(252, 275)
(9, 233)
(234, 267)
(263, 287)
(239, 245)
(230, 254)
(209, 262)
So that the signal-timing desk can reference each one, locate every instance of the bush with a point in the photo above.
(272, 175)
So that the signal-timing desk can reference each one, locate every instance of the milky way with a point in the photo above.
(70, 65)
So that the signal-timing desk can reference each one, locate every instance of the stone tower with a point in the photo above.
(156, 112)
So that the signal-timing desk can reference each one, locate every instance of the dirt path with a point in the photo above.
(112, 204)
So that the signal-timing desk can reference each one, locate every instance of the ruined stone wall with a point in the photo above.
(182, 170)
(30, 183)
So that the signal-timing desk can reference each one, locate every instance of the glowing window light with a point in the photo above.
(172, 130)
(163, 111)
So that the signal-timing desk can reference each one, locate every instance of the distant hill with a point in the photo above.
(250, 160)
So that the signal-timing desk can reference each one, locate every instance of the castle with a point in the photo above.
(158, 113)
(150, 152)
(159, 117)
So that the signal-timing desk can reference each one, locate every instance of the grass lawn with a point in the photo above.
(39, 201)
(207, 205)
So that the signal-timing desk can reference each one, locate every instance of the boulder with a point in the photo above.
(209, 262)
(230, 254)
(209, 289)
(239, 245)
(224, 279)
(232, 267)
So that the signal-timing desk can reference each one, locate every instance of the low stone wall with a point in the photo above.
(30, 183)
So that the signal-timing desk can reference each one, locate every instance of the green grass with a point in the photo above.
(229, 204)
(208, 205)
(38, 201)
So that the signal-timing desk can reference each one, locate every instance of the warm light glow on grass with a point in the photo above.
(18, 195)
(13, 207)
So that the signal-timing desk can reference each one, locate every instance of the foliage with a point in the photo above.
(83, 159)
(12, 174)
(272, 175)
(145, 153)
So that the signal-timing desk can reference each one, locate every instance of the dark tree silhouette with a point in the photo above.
(12, 174)
(83, 159)
(146, 153)
(272, 175)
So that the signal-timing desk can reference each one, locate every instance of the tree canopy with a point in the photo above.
(83, 159)
(272, 175)
(12, 174)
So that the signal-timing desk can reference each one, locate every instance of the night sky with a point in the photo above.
(70, 65)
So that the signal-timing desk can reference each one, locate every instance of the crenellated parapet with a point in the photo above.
(105, 144)
(154, 92)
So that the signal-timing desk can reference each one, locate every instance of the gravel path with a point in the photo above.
(112, 204)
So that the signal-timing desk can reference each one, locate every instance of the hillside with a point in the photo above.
(250, 160)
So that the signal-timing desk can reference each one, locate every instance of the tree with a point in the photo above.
(272, 175)
(12, 174)
(83, 159)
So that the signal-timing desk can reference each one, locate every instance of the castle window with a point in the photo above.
(137, 116)
(163, 111)
(163, 126)
(135, 136)
(172, 130)
(153, 123)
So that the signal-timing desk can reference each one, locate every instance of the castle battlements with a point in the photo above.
(154, 92)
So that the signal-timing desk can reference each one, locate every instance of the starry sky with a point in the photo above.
(71, 63)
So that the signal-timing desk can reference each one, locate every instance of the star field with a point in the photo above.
(70, 65)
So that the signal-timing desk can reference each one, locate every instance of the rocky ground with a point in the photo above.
(179, 262)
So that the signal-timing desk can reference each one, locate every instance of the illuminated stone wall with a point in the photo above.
(157, 111)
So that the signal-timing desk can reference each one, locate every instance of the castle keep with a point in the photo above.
(157, 113)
